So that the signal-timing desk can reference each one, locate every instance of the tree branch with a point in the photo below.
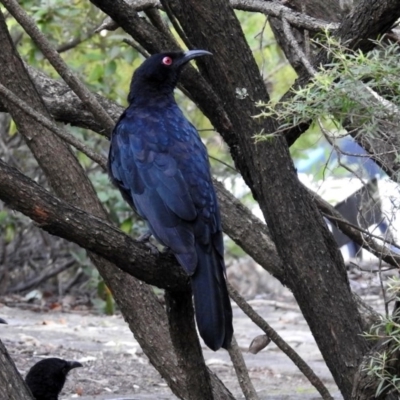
(274, 9)
(274, 336)
(90, 232)
(186, 343)
(62, 133)
(241, 371)
(58, 63)
(12, 386)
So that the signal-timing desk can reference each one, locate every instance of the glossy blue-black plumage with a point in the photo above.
(161, 166)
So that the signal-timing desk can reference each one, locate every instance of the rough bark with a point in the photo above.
(69, 181)
(313, 266)
(186, 341)
(12, 386)
(88, 231)
(326, 10)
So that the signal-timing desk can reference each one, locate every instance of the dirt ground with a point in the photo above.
(116, 368)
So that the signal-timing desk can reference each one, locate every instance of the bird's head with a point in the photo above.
(47, 377)
(159, 74)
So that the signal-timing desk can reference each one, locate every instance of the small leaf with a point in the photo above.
(260, 342)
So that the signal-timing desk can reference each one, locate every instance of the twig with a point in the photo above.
(37, 280)
(176, 25)
(241, 370)
(293, 42)
(87, 98)
(274, 336)
(137, 47)
(223, 163)
(344, 221)
(354, 232)
(10, 96)
(275, 9)
(77, 41)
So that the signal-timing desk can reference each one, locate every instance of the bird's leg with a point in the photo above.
(145, 238)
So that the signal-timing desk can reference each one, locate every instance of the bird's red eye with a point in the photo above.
(167, 60)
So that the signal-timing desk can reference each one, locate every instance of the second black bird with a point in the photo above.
(161, 167)
(47, 377)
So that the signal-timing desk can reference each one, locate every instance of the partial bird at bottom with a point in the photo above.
(47, 377)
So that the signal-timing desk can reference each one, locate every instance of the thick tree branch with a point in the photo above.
(67, 137)
(185, 340)
(12, 386)
(90, 232)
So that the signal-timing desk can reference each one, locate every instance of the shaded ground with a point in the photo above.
(116, 368)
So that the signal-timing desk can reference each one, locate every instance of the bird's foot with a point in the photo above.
(145, 238)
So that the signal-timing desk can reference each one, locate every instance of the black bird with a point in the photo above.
(159, 163)
(47, 377)
(2, 321)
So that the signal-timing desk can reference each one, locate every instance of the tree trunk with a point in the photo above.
(12, 386)
(313, 267)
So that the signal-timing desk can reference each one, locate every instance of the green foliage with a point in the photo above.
(346, 89)
(382, 364)
(8, 225)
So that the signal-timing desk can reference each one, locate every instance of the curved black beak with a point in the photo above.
(2, 321)
(74, 364)
(191, 54)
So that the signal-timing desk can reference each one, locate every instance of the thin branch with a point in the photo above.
(176, 24)
(241, 371)
(274, 336)
(137, 47)
(361, 230)
(275, 9)
(295, 45)
(89, 101)
(354, 233)
(99, 159)
(78, 40)
(37, 280)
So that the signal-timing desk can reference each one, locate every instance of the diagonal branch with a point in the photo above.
(274, 336)
(92, 233)
(275, 9)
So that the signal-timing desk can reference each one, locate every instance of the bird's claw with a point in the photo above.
(145, 238)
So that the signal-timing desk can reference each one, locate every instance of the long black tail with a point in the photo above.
(211, 300)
